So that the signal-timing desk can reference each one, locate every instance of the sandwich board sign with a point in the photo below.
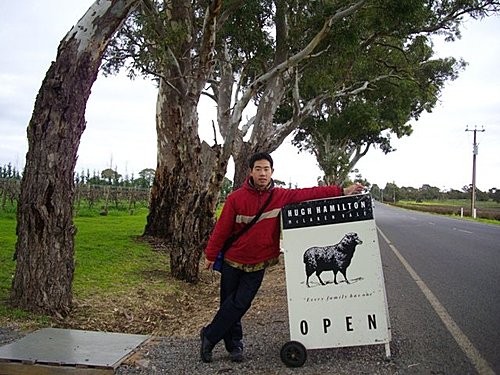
(335, 284)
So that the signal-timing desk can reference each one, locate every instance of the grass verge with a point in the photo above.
(119, 278)
(487, 212)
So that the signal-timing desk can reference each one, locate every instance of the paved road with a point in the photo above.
(458, 263)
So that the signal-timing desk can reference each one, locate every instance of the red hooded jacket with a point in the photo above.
(261, 242)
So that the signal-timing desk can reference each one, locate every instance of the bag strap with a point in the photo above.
(237, 235)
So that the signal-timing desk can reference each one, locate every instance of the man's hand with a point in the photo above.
(208, 264)
(354, 189)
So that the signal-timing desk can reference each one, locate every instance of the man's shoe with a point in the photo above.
(236, 354)
(205, 347)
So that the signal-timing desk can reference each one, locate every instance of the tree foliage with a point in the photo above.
(9, 172)
(397, 52)
(109, 176)
(494, 194)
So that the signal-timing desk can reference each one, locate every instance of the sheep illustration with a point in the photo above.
(331, 258)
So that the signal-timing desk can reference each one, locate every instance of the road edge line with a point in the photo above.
(461, 339)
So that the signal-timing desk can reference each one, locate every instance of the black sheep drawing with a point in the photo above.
(331, 258)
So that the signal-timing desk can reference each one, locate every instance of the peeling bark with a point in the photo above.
(188, 178)
(181, 208)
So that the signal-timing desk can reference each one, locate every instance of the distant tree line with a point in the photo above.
(393, 193)
(108, 185)
(111, 176)
(9, 172)
(107, 176)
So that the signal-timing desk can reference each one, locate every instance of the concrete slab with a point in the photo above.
(76, 348)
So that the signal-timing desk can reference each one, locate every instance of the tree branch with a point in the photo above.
(293, 60)
(230, 10)
(208, 32)
(285, 129)
(150, 10)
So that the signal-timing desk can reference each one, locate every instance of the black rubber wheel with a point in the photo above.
(293, 354)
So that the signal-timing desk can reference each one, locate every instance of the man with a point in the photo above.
(248, 256)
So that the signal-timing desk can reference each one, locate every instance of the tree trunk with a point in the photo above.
(274, 92)
(187, 180)
(183, 197)
(245, 150)
(45, 230)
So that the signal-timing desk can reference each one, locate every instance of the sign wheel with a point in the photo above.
(293, 354)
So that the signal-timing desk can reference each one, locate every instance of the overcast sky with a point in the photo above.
(120, 113)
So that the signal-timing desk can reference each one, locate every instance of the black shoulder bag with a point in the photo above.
(217, 266)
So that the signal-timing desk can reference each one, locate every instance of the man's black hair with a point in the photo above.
(260, 156)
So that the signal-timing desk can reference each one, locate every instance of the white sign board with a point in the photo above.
(335, 284)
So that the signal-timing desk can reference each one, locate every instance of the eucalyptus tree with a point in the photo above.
(45, 230)
(335, 68)
(146, 177)
(301, 30)
(494, 194)
(173, 42)
(342, 132)
(111, 176)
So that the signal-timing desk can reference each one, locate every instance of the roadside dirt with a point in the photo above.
(179, 314)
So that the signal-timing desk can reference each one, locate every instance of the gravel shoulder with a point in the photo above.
(420, 342)
(265, 330)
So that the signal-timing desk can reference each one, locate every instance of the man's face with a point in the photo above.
(261, 173)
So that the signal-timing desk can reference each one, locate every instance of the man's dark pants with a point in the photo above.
(238, 289)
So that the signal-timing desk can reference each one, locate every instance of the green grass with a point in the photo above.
(456, 203)
(490, 213)
(109, 259)
(7, 247)
(108, 256)
(98, 207)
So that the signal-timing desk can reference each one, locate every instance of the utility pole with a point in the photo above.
(474, 154)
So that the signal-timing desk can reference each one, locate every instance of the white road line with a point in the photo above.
(462, 230)
(462, 340)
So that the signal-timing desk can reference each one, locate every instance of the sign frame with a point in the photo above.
(335, 284)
